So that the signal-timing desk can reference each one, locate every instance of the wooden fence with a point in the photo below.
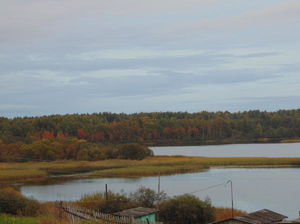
(88, 214)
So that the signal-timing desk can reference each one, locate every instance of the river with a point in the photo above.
(233, 150)
(276, 189)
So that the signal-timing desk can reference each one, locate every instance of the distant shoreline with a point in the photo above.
(222, 142)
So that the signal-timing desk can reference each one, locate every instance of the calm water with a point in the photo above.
(277, 189)
(233, 150)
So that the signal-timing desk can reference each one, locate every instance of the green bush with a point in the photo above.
(114, 202)
(133, 151)
(147, 197)
(13, 202)
(186, 209)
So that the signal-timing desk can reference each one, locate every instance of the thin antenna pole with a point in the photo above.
(231, 189)
(106, 192)
(158, 187)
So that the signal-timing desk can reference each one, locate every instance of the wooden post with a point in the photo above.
(60, 211)
(106, 192)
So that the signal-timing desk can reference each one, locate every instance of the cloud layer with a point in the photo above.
(135, 55)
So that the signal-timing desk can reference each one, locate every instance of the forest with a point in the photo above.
(95, 135)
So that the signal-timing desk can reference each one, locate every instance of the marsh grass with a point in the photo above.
(23, 172)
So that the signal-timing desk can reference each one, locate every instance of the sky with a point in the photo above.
(86, 56)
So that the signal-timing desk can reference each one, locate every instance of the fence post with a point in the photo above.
(106, 192)
(60, 211)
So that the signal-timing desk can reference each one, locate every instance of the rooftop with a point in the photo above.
(263, 216)
(136, 212)
(291, 221)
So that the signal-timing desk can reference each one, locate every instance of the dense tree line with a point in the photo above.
(70, 149)
(155, 128)
(107, 135)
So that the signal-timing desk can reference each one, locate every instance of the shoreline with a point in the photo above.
(31, 172)
(179, 143)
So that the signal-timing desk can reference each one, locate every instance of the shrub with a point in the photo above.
(147, 197)
(13, 202)
(113, 203)
(186, 209)
(225, 213)
(133, 151)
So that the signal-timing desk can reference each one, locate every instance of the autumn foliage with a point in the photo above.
(226, 213)
(13, 202)
(95, 136)
(156, 128)
(70, 149)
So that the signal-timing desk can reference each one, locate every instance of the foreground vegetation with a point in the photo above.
(6, 219)
(180, 209)
(151, 166)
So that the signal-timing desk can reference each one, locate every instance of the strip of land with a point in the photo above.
(13, 173)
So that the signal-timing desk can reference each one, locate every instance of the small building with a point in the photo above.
(139, 213)
(263, 216)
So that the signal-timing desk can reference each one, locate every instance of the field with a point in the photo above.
(151, 166)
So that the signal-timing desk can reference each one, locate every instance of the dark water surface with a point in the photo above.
(233, 150)
(277, 189)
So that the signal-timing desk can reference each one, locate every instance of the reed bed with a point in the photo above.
(22, 172)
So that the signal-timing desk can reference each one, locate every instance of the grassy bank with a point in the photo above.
(25, 172)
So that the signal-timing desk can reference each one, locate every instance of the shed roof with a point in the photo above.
(136, 212)
(263, 216)
(291, 221)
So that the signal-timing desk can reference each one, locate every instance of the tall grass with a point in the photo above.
(22, 172)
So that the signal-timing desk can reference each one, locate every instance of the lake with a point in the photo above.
(233, 150)
(277, 189)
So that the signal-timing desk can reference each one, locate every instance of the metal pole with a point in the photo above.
(231, 188)
(158, 190)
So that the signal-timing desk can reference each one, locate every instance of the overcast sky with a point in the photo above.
(85, 56)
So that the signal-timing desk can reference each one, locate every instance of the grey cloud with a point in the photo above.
(61, 63)
(37, 76)
(167, 82)
(271, 103)
(285, 68)
(24, 21)
(255, 55)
